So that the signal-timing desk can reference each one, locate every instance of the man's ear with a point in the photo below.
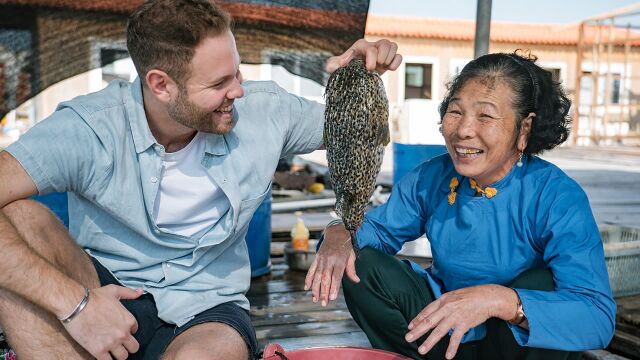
(525, 132)
(161, 85)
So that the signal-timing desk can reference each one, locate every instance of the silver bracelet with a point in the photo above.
(333, 222)
(78, 309)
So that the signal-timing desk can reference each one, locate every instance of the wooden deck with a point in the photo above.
(626, 340)
(283, 313)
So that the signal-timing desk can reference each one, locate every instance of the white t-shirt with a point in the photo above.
(189, 202)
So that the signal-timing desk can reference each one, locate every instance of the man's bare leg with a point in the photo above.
(32, 332)
(212, 340)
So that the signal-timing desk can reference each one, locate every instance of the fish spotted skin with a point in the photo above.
(356, 131)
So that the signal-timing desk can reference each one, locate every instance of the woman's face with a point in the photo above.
(479, 128)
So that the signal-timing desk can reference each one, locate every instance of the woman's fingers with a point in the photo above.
(436, 335)
(336, 280)
(315, 286)
(308, 280)
(325, 286)
(351, 268)
(426, 324)
(428, 310)
(454, 342)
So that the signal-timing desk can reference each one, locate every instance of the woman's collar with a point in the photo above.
(464, 183)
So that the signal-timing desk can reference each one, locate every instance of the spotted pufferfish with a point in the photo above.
(356, 131)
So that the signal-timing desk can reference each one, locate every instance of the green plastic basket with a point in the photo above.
(622, 255)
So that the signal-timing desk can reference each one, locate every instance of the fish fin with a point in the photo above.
(383, 135)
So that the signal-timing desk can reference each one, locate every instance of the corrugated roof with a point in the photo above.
(464, 30)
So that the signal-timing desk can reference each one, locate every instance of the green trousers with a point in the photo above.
(390, 294)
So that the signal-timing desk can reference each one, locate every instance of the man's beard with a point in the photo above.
(190, 115)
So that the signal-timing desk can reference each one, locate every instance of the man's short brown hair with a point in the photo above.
(162, 34)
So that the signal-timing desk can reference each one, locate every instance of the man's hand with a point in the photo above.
(325, 274)
(105, 328)
(379, 56)
(461, 310)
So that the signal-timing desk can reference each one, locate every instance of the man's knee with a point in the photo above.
(191, 352)
(208, 341)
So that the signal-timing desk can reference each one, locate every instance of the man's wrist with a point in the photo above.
(78, 308)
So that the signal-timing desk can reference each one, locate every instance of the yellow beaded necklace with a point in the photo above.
(488, 192)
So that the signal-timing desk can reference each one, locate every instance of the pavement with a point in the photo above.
(609, 175)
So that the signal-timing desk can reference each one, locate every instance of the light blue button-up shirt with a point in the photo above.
(99, 148)
(540, 218)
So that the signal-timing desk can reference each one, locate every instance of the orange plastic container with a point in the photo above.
(276, 352)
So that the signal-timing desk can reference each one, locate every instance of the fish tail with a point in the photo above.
(354, 243)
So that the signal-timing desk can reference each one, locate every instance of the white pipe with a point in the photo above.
(301, 204)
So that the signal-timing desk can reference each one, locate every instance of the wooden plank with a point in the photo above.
(628, 329)
(625, 344)
(276, 286)
(281, 279)
(629, 310)
(271, 333)
(271, 318)
(289, 303)
(600, 355)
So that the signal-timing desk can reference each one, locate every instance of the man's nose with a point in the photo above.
(236, 91)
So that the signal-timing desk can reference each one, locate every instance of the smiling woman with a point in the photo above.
(518, 264)
(494, 113)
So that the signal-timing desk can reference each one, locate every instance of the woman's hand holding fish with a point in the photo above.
(334, 257)
(379, 56)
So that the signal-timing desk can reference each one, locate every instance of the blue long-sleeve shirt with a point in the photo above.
(539, 218)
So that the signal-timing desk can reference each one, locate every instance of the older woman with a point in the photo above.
(518, 264)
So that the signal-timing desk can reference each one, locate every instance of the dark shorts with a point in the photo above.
(154, 335)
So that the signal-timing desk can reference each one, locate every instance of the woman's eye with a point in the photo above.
(486, 116)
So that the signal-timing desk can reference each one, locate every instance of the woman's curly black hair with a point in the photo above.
(534, 92)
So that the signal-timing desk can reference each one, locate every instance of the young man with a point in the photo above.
(164, 175)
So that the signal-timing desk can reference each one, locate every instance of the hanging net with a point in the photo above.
(45, 41)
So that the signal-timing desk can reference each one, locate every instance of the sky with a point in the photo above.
(531, 11)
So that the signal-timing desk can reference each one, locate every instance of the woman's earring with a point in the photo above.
(519, 163)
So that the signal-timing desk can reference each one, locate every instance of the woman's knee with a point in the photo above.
(369, 264)
(378, 272)
(534, 279)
